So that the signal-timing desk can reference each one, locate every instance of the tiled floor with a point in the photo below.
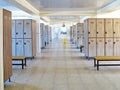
(63, 68)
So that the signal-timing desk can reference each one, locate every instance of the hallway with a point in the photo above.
(63, 68)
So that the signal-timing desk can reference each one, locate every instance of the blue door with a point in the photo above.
(19, 47)
(27, 28)
(13, 47)
(13, 29)
(27, 47)
(19, 28)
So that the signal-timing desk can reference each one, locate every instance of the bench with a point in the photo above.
(20, 58)
(97, 59)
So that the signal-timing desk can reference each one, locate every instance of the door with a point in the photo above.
(92, 27)
(19, 47)
(27, 29)
(100, 46)
(19, 28)
(116, 46)
(109, 46)
(100, 27)
(108, 27)
(13, 29)
(92, 47)
(13, 47)
(116, 27)
(27, 48)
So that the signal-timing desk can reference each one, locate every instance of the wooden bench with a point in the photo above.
(20, 58)
(97, 59)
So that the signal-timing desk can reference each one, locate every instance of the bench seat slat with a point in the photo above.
(107, 58)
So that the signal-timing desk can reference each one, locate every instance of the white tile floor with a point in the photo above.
(60, 68)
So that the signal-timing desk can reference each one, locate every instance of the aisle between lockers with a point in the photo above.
(63, 68)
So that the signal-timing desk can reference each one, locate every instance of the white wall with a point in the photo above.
(1, 50)
(114, 14)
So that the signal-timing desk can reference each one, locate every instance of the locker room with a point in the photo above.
(59, 44)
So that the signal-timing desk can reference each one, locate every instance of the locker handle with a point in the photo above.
(24, 32)
(88, 32)
(113, 42)
(105, 42)
(16, 43)
(114, 32)
(16, 33)
(97, 32)
(105, 32)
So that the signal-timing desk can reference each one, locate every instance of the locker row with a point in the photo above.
(103, 47)
(22, 47)
(46, 35)
(76, 34)
(102, 27)
(22, 28)
(24, 37)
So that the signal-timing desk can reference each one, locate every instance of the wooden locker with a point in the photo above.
(33, 38)
(100, 27)
(108, 27)
(92, 47)
(27, 29)
(108, 46)
(13, 47)
(78, 35)
(116, 46)
(70, 33)
(50, 34)
(74, 34)
(27, 47)
(116, 27)
(86, 38)
(92, 27)
(46, 34)
(19, 47)
(13, 29)
(19, 28)
(42, 35)
(100, 47)
(7, 39)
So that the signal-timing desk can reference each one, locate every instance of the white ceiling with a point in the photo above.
(69, 5)
(69, 10)
(15, 11)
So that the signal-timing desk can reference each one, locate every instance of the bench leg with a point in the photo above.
(97, 64)
(9, 80)
(22, 64)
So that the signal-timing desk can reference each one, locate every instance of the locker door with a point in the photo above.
(116, 46)
(46, 34)
(13, 47)
(13, 29)
(27, 29)
(109, 27)
(27, 47)
(100, 27)
(19, 28)
(100, 47)
(19, 47)
(116, 27)
(92, 47)
(92, 27)
(109, 47)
